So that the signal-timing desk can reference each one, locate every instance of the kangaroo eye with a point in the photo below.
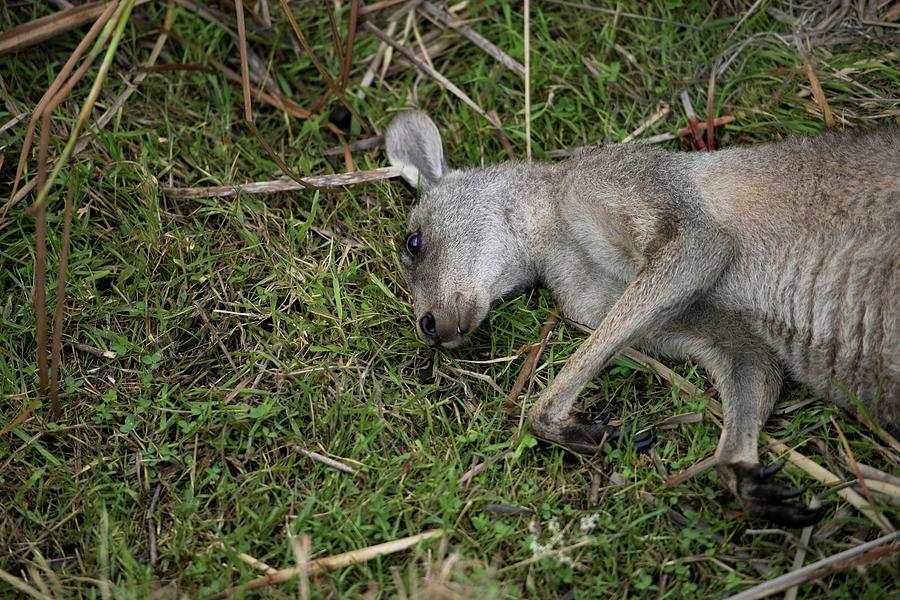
(412, 243)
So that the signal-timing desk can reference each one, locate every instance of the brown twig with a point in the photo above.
(44, 28)
(529, 365)
(855, 468)
(351, 38)
(697, 138)
(860, 555)
(283, 185)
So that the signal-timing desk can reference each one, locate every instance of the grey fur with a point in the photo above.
(745, 260)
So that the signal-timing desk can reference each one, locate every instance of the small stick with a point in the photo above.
(331, 563)
(860, 555)
(434, 74)
(283, 185)
(44, 28)
(530, 363)
(499, 55)
(695, 469)
(247, 559)
(95, 351)
(328, 462)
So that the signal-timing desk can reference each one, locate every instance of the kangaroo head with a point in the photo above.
(460, 252)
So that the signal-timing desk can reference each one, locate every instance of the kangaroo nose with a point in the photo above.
(428, 326)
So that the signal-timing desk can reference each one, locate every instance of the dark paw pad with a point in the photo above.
(587, 437)
(765, 498)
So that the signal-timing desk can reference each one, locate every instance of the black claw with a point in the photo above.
(788, 493)
(644, 440)
(766, 472)
(765, 498)
(589, 437)
(793, 514)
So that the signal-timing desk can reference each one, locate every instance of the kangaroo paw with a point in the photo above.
(767, 499)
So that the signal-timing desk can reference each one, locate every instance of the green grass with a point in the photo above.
(297, 299)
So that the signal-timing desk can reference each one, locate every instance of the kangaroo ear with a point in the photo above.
(414, 144)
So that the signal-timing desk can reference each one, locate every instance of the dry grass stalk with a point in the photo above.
(333, 87)
(480, 467)
(282, 185)
(661, 111)
(328, 462)
(655, 139)
(440, 79)
(44, 28)
(58, 82)
(800, 555)
(22, 586)
(859, 477)
(248, 110)
(351, 38)
(483, 43)
(527, 33)
(695, 469)
(56, 346)
(376, 6)
(710, 106)
(247, 559)
(863, 554)
(113, 31)
(816, 87)
(332, 563)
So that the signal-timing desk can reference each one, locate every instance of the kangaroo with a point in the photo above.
(746, 260)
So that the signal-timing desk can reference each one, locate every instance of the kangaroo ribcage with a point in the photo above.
(831, 307)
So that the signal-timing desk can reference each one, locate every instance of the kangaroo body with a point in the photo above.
(748, 260)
